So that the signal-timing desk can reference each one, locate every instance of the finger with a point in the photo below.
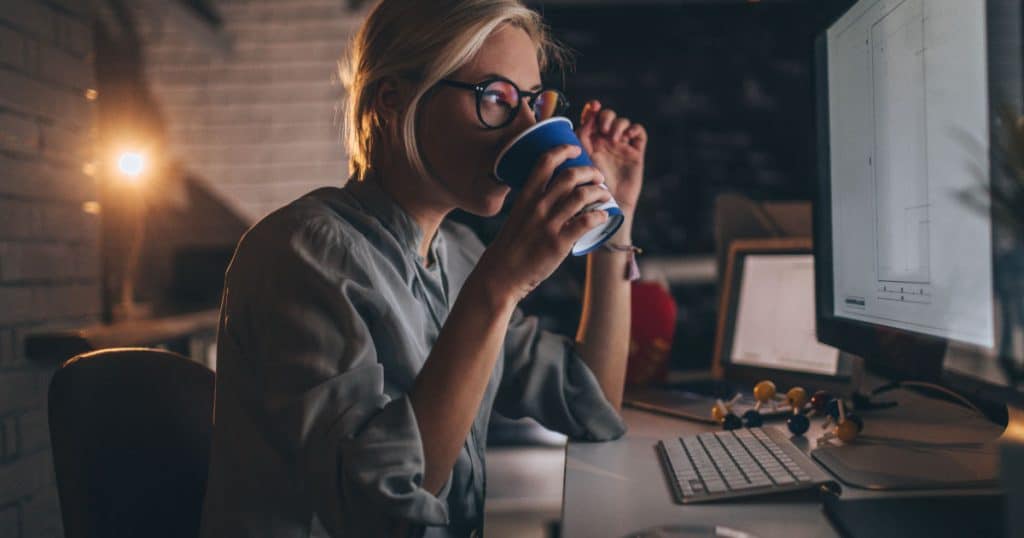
(619, 127)
(590, 110)
(587, 117)
(605, 119)
(569, 180)
(582, 223)
(637, 136)
(545, 168)
(577, 201)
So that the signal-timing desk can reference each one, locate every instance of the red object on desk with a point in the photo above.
(651, 332)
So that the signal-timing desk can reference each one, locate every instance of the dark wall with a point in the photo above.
(725, 92)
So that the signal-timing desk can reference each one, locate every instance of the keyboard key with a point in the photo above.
(783, 479)
(717, 487)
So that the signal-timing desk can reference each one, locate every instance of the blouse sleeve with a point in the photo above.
(546, 379)
(319, 389)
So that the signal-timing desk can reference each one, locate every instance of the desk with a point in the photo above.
(618, 487)
(615, 488)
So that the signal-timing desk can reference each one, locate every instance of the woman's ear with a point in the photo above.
(389, 99)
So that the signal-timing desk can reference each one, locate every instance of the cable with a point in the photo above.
(897, 384)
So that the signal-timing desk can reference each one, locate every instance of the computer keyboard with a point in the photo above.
(738, 463)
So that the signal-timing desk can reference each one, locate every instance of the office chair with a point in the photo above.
(130, 430)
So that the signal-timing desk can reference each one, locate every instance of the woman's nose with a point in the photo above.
(525, 118)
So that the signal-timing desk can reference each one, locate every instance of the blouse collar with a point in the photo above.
(399, 223)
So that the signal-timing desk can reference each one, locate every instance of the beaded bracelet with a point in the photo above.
(632, 269)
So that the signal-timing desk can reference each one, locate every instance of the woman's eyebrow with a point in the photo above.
(490, 75)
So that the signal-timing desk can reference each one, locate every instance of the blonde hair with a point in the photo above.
(422, 43)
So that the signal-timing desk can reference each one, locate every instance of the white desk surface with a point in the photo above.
(617, 488)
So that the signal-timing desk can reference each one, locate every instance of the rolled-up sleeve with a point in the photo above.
(546, 379)
(320, 390)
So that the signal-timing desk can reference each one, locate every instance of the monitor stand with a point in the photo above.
(923, 443)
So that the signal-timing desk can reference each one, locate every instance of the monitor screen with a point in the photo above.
(908, 125)
(915, 264)
(775, 317)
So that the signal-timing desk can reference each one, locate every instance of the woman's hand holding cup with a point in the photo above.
(546, 219)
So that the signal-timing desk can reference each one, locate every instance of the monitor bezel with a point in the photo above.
(915, 355)
(847, 374)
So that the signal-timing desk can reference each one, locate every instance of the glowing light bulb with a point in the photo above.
(131, 164)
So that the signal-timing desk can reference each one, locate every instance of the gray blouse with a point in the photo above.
(328, 314)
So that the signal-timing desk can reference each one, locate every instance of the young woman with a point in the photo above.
(365, 339)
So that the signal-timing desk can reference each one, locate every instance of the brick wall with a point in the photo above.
(49, 268)
(256, 117)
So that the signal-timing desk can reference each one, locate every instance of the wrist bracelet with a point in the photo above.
(632, 269)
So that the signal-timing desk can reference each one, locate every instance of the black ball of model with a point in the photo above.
(798, 424)
(752, 419)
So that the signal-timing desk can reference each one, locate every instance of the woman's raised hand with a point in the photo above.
(544, 222)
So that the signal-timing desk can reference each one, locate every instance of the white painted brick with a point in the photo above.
(24, 388)
(79, 9)
(87, 260)
(238, 173)
(38, 261)
(284, 12)
(17, 219)
(264, 153)
(266, 132)
(31, 473)
(70, 147)
(161, 54)
(29, 16)
(65, 301)
(261, 123)
(45, 180)
(73, 35)
(64, 223)
(257, 52)
(40, 303)
(19, 133)
(63, 68)
(12, 48)
(70, 32)
(172, 75)
(30, 96)
(253, 114)
(288, 31)
(15, 305)
(235, 94)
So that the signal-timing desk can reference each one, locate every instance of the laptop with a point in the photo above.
(765, 330)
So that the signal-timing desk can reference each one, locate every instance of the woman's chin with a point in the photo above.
(490, 205)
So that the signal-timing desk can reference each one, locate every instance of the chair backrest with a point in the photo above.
(130, 430)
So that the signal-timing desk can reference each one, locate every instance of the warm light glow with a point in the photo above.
(91, 207)
(131, 164)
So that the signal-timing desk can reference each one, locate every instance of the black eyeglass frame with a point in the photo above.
(531, 98)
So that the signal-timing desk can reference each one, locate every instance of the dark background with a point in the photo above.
(725, 92)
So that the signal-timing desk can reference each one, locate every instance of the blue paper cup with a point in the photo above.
(520, 156)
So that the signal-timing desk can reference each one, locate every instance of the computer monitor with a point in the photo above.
(910, 95)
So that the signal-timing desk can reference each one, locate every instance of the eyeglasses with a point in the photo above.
(498, 101)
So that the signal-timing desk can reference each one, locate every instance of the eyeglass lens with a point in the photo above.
(500, 100)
